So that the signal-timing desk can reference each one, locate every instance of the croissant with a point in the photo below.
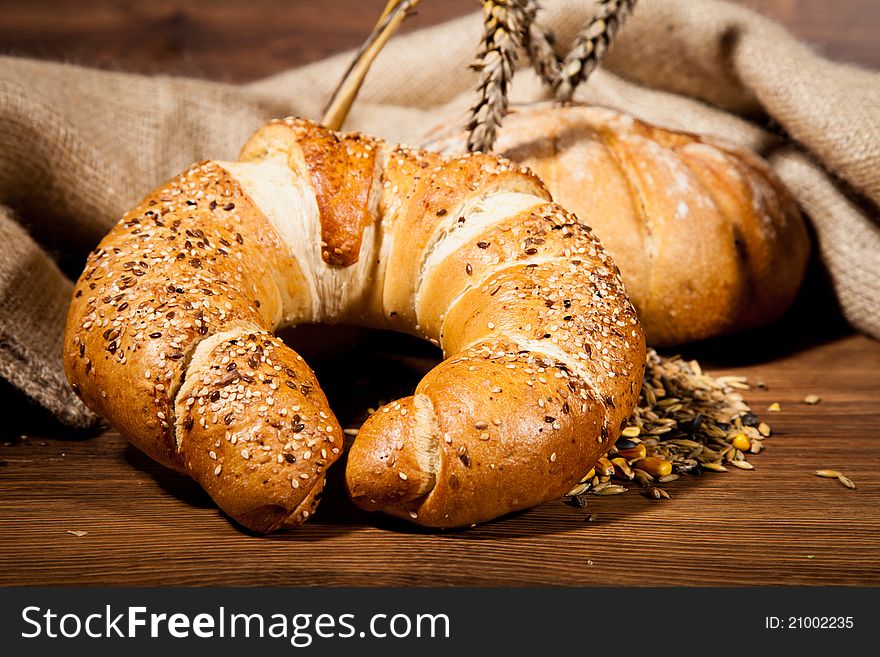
(707, 239)
(170, 331)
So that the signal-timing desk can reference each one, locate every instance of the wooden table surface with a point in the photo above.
(778, 524)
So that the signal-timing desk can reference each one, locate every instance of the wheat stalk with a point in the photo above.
(590, 46)
(538, 43)
(343, 96)
(508, 25)
(504, 22)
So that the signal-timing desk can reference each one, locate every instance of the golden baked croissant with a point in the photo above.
(170, 332)
(707, 239)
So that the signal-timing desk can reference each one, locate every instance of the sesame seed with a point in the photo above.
(402, 475)
(218, 469)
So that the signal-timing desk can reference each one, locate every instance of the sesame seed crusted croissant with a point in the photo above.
(170, 330)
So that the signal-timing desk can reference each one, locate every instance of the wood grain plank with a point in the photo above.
(237, 41)
(226, 40)
(776, 525)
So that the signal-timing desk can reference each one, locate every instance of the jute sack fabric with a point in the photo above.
(79, 146)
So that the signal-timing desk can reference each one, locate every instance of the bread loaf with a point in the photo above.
(170, 332)
(707, 239)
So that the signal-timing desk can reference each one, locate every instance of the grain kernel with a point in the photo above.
(623, 469)
(655, 466)
(605, 467)
(846, 481)
(741, 442)
(611, 489)
(637, 452)
(589, 475)
(830, 474)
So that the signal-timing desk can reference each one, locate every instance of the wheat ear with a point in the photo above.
(590, 46)
(504, 22)
(538, 43)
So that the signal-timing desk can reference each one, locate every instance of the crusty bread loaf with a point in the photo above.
(170, 332)
(707, 239)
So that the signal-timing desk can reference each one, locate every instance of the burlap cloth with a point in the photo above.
(79, 146)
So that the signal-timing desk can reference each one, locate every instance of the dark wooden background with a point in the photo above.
(776, 525)
(240, 40)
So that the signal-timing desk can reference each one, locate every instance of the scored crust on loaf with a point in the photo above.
(496, 454)
(283, 196)
(251, 411)
(547, 294)
(423, 194)
(473, 218)
(178, 305)
(196, 258)
(341, 169)
(158, 284)
(708, 240)
(336, 293)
